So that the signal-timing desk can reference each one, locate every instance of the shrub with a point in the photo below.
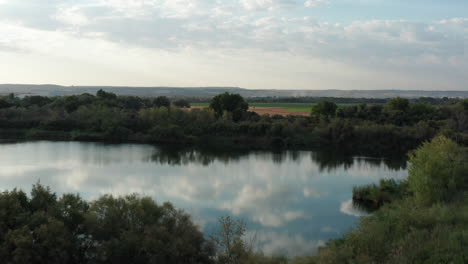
(438, 170)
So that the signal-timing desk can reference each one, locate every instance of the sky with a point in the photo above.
(255, 44)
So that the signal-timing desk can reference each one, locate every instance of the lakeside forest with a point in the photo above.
(422, 219)
(394, 127)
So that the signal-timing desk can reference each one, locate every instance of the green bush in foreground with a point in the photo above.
(404, 233)
(439, 169)
(43, 228)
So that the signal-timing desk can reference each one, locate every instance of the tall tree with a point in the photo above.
(228, 102)
(162, 101)
(106, 95)
(325, 108)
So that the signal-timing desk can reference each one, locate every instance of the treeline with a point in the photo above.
(423, 219)
(376, 129)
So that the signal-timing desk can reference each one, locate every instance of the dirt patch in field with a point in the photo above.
(197, 107)
(268, 110)
(276, 111)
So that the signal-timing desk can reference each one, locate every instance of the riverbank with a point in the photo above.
(298, 142)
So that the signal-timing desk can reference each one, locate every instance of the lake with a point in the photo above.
(292, 201)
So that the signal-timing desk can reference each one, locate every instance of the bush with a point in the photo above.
(372, 197)
(130, 229)
(438, 171)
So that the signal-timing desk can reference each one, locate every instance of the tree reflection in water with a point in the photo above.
(326, 160)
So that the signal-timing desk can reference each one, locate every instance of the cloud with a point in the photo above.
(459, 23)
(348, 208)
(256, 5)
(198, 24)
(271, 197)
(315, 3)
(72, 16)
(404, 51)
(282, 243)
(270, 205)
(329, 229)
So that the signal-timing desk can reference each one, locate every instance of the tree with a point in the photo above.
(464, 104)
(162, 101)
(182, 103)
(106, 95)
(228, 102)
(229, 241)
(438, 170)
(35, 100)
(325, 108)
(398, 104)
(4, 103)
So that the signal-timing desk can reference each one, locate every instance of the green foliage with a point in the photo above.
(464, 104)
(229, 241)
(130, 229)
(398, 104)
(369, 129)
(162, 101)
(4, 103)
(438, 170)
(35, 100)
(106, 95)
(372, 197)
(229, 103)
(429, 227)
(403, 233)
(325, 108)
(182, 103)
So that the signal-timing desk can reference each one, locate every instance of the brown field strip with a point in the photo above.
(268, 110)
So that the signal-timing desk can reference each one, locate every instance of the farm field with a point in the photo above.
(283, 105)
(302, 109)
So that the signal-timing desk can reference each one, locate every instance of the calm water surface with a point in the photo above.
(293, 201)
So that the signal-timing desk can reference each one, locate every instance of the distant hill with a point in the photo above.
(57, 90)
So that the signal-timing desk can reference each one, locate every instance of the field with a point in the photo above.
(284, 109)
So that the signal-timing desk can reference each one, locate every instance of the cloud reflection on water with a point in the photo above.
(289, 196)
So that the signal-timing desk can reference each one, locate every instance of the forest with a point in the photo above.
(390, 128)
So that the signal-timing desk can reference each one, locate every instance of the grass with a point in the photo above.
(200, 104)
(300, 109)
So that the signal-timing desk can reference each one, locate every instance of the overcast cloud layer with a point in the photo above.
(278, 44)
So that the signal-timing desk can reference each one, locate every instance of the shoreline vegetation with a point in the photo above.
(423, 219)
(387, 129)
